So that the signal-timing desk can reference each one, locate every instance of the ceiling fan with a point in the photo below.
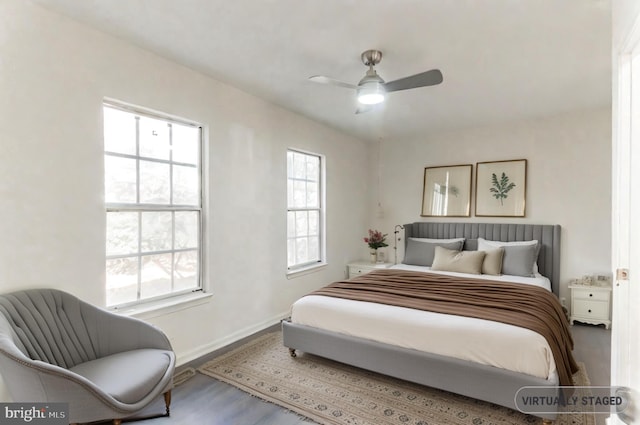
(372, 89)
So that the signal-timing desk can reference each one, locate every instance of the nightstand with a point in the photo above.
(361, 267)
(591, 304)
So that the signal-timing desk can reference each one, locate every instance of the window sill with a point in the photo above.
(165, 306)
(306, 270)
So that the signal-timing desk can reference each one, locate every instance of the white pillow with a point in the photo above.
(430, 240)
(485, 245)
(497, 244)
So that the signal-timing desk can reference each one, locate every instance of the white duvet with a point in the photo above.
(477, 340)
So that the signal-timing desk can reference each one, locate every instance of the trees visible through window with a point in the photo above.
(153, 200)
(305, 233)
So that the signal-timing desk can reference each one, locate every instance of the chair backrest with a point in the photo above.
(49, 325)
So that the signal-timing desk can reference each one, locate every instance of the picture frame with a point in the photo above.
(446, 191)
(501, 188)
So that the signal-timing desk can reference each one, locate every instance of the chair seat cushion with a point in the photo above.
(128, 376)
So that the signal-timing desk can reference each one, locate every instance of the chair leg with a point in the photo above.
(167, 402)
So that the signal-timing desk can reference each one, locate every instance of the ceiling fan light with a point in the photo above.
(371, 98)
(371, 93)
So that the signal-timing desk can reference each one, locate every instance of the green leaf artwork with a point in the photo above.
(443, 189)
(501, 188)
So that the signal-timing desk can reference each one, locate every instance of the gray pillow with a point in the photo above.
(421, 253)
(518, 260)
(458, 261)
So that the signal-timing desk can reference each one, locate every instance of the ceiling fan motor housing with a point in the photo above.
(371, 57)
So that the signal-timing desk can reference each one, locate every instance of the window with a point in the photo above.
(305, 210)
(153, 199)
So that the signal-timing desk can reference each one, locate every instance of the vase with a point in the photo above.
(373, 255)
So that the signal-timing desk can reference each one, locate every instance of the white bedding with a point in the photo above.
(477, 340)
(538, 280)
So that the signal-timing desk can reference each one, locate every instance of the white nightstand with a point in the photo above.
(591, 304)
(357, 268)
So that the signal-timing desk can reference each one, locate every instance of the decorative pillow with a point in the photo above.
(470, 245)
(484, 245)
(420, 253)
(492, 263)
(519, 260)
(458, 261)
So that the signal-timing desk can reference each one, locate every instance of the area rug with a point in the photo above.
(329, 392)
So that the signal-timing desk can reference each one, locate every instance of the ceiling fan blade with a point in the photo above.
(331, 81)
(428, 78)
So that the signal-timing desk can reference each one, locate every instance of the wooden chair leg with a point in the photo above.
(117, 422)
(167, 402)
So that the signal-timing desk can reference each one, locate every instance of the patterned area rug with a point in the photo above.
(329, 392)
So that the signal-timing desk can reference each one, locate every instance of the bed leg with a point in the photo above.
(292, 352)
(547, 422)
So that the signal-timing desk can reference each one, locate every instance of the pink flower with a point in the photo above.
(376, 239)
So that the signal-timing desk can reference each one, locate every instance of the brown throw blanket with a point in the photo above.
(520, 305)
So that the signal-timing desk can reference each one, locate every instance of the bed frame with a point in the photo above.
(474, 380)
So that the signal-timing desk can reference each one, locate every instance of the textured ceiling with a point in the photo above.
(501, 59)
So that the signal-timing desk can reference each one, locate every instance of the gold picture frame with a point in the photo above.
(446, 191)
(501, 188)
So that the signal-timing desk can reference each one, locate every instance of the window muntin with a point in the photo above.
(153, 199)
(304, 209)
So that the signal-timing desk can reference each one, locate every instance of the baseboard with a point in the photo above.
(205, 350)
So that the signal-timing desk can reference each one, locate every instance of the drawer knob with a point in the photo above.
(589, 311)
(591, 295)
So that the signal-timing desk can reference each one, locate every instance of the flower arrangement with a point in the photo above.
(376, 239)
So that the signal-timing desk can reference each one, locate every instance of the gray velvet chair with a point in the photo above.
(57, 348)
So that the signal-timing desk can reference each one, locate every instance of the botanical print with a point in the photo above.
(447, 191)
(500, 188)
(444, 189)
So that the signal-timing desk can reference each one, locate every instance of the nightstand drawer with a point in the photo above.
(596, 309)
(589, 294)
(358, 268)
(357, 271)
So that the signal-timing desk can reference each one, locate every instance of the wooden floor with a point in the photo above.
(593, 347)
(203, 400)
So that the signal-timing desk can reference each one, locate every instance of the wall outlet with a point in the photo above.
(563, 301)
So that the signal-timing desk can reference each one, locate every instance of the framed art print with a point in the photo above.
(447, 191)
(501, 188)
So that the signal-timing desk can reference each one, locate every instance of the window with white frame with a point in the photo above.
(305, 210)
(153, 200)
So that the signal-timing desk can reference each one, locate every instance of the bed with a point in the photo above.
(471, 373)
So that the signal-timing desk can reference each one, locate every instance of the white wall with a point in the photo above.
(54, 74)
(568, 179)
(623, 13)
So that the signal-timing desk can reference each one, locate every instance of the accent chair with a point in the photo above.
(56, 348)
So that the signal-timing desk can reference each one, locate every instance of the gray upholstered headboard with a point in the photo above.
(547, 234)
